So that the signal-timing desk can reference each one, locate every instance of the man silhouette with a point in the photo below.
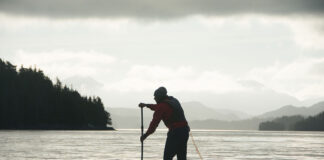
(169, 110)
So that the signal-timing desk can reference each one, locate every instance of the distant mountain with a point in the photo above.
(311, 101)
(248, 124)
(253, 123)
(238, 114)
(200, 116)
(130, 117)
(290, 110)
(84, 84)
(198, 111)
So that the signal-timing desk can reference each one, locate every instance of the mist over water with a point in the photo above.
(125, 144)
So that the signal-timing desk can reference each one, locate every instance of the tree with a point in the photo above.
(30, 100)
(312, 123)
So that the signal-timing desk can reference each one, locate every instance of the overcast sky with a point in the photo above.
(247, 55)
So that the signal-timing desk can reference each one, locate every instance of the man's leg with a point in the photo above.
(182, 147)
(170, 148)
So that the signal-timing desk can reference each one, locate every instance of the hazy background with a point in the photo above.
(251, 56)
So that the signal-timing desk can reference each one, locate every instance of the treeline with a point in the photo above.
(313, 123)
(299, 123)
(30, 100)
(284, 123)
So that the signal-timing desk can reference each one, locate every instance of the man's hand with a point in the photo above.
(143, 137)
(142, 105)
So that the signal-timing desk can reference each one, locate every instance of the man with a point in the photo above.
(168, 109)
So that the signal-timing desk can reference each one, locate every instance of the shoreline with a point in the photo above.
(60, 129)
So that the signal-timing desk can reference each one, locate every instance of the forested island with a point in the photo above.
(295, 123)
(30, 100)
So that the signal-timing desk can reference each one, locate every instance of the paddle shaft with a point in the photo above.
(142, 130)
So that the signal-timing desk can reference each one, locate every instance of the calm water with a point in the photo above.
(124, 144)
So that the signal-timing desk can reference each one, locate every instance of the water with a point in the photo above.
(124, 144)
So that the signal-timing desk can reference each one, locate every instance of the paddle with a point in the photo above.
(142, 129)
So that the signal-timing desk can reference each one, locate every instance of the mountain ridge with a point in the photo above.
(123, 117)
(290, 110)
(200, 116)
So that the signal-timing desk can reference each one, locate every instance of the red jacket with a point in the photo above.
(162, 111)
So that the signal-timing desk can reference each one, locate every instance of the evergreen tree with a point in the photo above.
(30, 100)
(313, 123)
(282, 123)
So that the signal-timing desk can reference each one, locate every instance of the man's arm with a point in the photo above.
(157, 117)
(150, 106)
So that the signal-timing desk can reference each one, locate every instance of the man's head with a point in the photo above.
(160, 94)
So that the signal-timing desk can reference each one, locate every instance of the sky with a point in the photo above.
(252, 56)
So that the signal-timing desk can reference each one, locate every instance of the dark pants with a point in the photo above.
(176, 144)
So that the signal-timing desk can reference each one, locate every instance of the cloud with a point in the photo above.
(10, 22)
(84, 84)
(302, 78)
(97, 73)
(252, 84)
(145, 77)
(308, 33)
(158, 9)
(63, 63)
(76, 66)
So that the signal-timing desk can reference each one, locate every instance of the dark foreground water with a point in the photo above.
(124, 144)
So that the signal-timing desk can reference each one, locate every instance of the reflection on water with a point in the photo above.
(125, 144)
